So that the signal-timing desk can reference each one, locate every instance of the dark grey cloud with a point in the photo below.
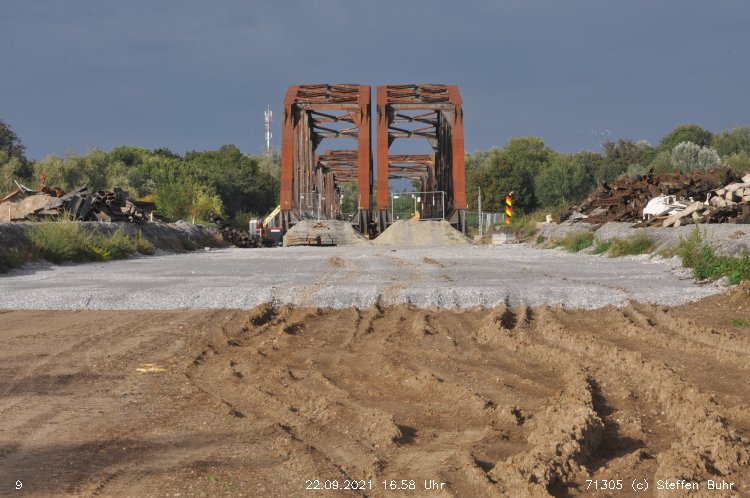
(189, 74)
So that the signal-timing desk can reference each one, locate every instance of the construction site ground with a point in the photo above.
(339, 277)
(521, 399)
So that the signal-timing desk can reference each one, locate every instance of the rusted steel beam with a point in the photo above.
(384, 121)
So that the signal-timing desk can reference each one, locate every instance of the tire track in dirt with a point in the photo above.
(510, 401)
(706, 447)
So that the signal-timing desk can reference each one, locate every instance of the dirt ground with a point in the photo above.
(275, 401)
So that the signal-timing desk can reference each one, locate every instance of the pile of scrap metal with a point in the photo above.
(625, 200)
(80, 204)
(729, 204)
(239, 238)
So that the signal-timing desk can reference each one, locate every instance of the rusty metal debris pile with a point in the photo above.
(716, 196)
(101, 206)
(239, 238)
(80, 204)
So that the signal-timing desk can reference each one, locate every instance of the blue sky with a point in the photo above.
(193, 74)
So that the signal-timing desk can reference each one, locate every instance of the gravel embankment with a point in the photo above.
(341, 277)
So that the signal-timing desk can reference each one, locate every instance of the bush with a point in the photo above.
(524, 225)
(601, 246)
(575, 242)
(119, 245)
(699, 256)
(687, 156)
(689, 249)
(10, 259)
(540, 239)
(638, 244)
(63, 240)
(143, 246)
(68, 240)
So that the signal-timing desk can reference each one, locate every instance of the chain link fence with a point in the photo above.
(486, 221)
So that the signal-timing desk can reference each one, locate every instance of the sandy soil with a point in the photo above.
(272, 401)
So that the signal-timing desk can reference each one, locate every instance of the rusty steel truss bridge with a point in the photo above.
(311, 181)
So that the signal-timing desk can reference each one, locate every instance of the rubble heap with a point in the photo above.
(80, 204)
(625, 200)
(239, 238)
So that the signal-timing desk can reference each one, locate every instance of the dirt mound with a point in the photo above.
(421, 234)
(278, 401)
(323, 233)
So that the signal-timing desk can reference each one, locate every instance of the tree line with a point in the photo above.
(188, 186)
(541, 178)
(240, 186)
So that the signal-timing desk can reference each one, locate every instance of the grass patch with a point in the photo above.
(575, 242)
(696, 254)
(540, 239)
(68, 240)
(740, 322)
(524, 225)
(637, 244)
(601, 246)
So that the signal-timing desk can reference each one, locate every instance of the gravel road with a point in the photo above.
(341, 277)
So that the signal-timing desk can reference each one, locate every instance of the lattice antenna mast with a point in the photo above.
(269, 118)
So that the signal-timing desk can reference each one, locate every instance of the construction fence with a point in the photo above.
(418, 205)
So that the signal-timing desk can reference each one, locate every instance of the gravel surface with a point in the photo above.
(726, 238)
(341, 277)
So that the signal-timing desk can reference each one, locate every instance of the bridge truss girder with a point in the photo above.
(313, 113)
(432, 112)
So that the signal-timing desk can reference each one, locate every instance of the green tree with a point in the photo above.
(687, 156)
(236, 178)
(739, 162)
(511, 168)
(13, 163)
(662, 163)
(621, 155)
(502, 176)
(529, 153)
(10, 143)
(734, 141)
(685, 133)
(564, 181)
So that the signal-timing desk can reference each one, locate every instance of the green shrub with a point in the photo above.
(241, 220)
(63, 240)
(10, 259)
(524, 225)
(577, 241)
(601, 246)
(188, 244)
(711, 266)
(689, 249)
(701, 257)
(540, 239)
(118, 245)
(68, 240)
(637, 244)
(143, 246)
